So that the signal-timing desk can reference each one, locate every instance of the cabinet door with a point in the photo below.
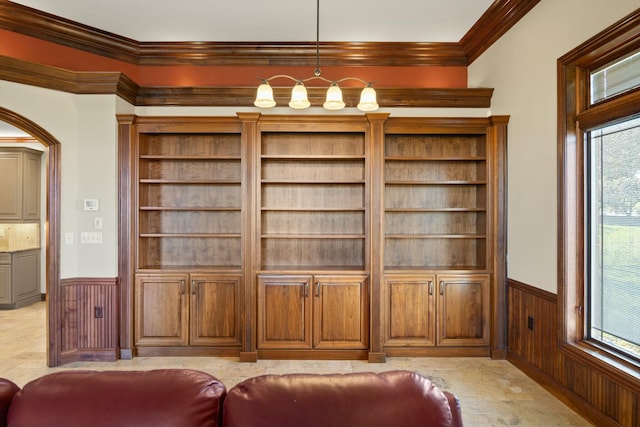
(284, 312)
(26, 275)
(410, 319)
(340, 312)
(463, 310)
(215, 310)
(162, 310)
(5, 284)
(10, 186)
(31, 187)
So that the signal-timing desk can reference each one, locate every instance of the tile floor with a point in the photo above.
(491, 392)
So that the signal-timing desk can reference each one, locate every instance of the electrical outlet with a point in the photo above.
(97, 312)
(68, 238)
(530, 322)
(97, 223)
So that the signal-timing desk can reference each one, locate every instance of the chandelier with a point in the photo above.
(299, 98)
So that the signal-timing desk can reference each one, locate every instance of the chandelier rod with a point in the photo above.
(317, 70)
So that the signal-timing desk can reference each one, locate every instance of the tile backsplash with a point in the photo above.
(15, 237)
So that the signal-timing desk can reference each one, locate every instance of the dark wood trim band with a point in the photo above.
(29, 73)
(302, 53)
(501, 16)
(41, 25)
(244, 97)
(533, 291)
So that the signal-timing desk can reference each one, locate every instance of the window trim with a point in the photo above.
(575, 115)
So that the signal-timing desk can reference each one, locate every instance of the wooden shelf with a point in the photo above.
(435, 236)
(190, 158)
(306, 158)
(207, 235)
(185, 181)
(435, 182)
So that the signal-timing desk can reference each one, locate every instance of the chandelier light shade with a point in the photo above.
(368, 101)
(334, 98)
(299, 98)
(264, 97)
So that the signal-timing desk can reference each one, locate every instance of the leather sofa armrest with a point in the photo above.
(7, 390)
(456, 411)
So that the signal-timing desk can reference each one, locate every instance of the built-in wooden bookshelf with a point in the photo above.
(317, 236)
(313, 191)
(190, 200)
(435, 202)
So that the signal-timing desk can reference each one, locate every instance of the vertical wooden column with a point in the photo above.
(249, 353)
(376, 162)
(126, 252)
(497, 142)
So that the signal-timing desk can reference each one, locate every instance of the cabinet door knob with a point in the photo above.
(442, 287)
(181, 287)
(305, 290)
(317, 289)
(430, 287)
(194, 284)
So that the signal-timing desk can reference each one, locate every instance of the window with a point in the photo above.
(599, 204)
(613, 230)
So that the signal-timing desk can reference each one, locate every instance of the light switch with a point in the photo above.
(97, 223)
(90, 237)
(68, 238)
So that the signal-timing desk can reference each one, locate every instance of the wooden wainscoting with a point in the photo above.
(600, 395)
(89, 319)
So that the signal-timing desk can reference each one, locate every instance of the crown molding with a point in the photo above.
(500, 16)
(29, 73)
(116, 83)
(497, 20)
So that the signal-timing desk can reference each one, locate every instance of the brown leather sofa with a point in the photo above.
(183, 397)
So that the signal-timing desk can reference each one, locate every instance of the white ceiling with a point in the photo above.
(275, 20)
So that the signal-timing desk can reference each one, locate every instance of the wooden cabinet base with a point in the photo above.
(377, 357)
(439, 352)
(186, 351)
(314, 354)
(248, 356)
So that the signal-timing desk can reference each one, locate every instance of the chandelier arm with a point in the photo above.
(318, 77)
(356, 79)
(277, 76)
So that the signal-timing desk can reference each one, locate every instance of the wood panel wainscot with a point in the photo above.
(90, 319)
(601, 395)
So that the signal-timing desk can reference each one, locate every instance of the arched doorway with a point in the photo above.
(52, 231)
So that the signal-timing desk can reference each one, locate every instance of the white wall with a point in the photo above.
(86, 127)
(521, 67)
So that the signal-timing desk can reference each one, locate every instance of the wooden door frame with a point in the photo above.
(52, 231)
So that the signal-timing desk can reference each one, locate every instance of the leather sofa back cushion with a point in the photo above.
(7, 390)
(400, 398)
(163, 397)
